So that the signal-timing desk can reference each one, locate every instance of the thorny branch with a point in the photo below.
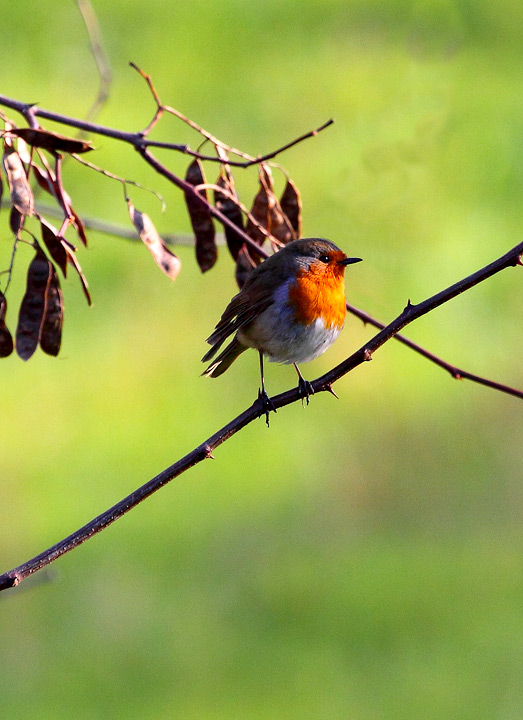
(120, 231)
(455, 372)
(204, 450)
(195, 193)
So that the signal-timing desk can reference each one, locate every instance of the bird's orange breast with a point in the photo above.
(319, 295)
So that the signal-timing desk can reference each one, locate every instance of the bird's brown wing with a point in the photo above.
(255, 297)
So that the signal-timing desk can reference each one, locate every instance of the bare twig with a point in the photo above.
(138, 140)
(455, 372)
(9, 270)
(161, 108)
(204, 450)
(100, 57)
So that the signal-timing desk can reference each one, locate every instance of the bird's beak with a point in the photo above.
(349, 261)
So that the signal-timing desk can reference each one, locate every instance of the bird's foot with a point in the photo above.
(305, 389)
(266, 405)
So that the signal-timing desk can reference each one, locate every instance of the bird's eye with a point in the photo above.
(324, 258)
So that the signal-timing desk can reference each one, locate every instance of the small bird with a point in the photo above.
(291, 309)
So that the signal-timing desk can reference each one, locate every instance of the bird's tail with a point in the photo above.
(224, 360)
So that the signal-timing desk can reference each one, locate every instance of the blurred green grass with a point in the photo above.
(362, 558)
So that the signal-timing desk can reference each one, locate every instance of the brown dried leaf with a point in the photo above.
(281, 229)
(262, 207)
(51, 332)
(201, 219)
(230, 209)
(21, 194)
(6, 340)
(166, 260)
(78, 225)
(16, 220)
(244, 264)
(44, 179)
(32, 308)
(51, 141)
(290, 203)
(71, 257)
(53, 243)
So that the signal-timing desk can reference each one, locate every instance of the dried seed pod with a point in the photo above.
(166, 260)
(32, 309)
(53, 243)
(201, 219)
(290, 203)
(281, 228)
(51, 331)
(78, 224)
(44, 179)
(16, 220)
(21, 194)
(227, 206)
(262, 207)
(22, 148)
(6, 340)
(244, 264)
(51, 141)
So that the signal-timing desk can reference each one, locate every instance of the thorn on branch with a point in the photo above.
(330, 390)
(208, 453)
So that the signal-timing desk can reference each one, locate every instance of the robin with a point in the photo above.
(291, 308)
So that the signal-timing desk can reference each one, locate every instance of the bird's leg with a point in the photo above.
(304, 386)
(264, 400)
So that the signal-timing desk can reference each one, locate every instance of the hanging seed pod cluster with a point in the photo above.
(25, 165)
(32, 163)
(271, 221)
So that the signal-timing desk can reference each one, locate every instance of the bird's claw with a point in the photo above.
(306, 389)
(266, 405)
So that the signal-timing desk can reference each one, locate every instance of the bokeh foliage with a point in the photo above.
(362, 558)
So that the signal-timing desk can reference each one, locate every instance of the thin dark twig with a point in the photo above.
(412, 312)
(455, 372)
(204, 450)
(137, 139)
(311, 133)
(9, 270)
(159, 107)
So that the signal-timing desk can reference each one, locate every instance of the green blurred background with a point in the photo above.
(362, 558)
